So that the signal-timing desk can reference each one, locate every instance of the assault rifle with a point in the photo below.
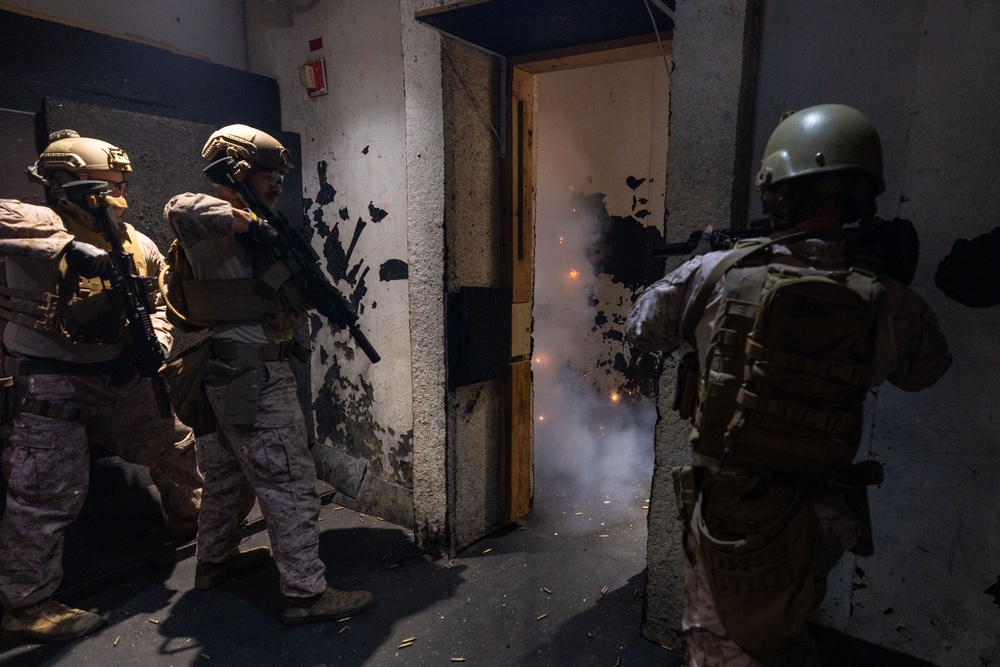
(127, 292)
(296, 253)
(893, 243)
(721, 239)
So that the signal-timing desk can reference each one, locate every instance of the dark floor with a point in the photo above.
(561, 587)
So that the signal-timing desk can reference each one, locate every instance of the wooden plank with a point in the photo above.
(523, 178)
(591, 59)
(520, 330)
(515, 500)
(447, 8)
(597, 53)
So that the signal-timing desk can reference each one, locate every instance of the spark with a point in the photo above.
(541, 418)
(574, 274)
(615, 397)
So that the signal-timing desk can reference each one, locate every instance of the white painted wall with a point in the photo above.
(354, 139)
(926, 74)
(212, 30)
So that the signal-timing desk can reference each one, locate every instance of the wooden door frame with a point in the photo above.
(517, 196)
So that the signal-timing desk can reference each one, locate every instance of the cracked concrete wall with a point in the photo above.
(925, 74)
(474, 237)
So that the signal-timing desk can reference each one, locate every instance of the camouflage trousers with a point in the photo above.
(708, 643)
(269, 460)
(47, 467)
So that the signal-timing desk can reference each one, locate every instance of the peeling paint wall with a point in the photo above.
(926, 74)
(602, 138)
(354, 185)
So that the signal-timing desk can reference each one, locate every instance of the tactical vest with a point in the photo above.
(272, 294)
(77, 307)
(788, 366)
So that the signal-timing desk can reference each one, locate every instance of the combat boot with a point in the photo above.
(210, 575)
(330, 605)
(48, 621)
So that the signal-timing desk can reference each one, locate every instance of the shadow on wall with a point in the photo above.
(968, 273)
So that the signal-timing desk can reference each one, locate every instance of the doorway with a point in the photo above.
(600, 143)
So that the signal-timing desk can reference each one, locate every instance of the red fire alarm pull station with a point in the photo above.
(313, 75)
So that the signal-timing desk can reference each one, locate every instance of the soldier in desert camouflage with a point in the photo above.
(769, 500)
(70, 383)
(252, 306)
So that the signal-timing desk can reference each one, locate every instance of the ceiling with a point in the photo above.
(516, 28)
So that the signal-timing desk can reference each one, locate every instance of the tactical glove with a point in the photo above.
(89, 261)
(263, 233)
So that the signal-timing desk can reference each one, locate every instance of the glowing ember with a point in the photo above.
(574, 274)
(615, 397)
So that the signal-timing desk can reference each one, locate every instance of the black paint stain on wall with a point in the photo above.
(994, 592)
(968, 273)
(393, 269)
(621, 252)
(345, 418)
(622, 245)
(343, 407)
(327, 193)
(377, 214)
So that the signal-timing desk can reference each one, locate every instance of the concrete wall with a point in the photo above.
(213, 30)
(925, 73)
(474, 238)
(705, 92)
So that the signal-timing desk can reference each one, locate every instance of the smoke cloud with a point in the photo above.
(590, 434)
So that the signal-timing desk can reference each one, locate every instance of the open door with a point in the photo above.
(516, 412)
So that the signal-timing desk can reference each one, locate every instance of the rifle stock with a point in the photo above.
(297, 254)
(127, 291)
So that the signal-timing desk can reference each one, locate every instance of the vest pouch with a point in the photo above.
(686, 393)
(94, 319)
(8, 399)
(755, 543)
(185, 377)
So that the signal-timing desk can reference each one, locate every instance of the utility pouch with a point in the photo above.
(240, 408)
(755, 544)
(854, 483)
(687, 483)
(8, 399)
(686, 393)
(185, 377)
(94, 318)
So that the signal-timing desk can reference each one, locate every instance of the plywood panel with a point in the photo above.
(515, 466)
(523, 181)
(520, 330)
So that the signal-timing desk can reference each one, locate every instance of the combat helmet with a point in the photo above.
(71, 157)
(822, 139)
(253, 149)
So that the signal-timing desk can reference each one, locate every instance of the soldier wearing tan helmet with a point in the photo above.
(236, 287)
(789, 334)
(69, 383)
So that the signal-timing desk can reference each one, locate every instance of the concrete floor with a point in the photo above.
(561, 587)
